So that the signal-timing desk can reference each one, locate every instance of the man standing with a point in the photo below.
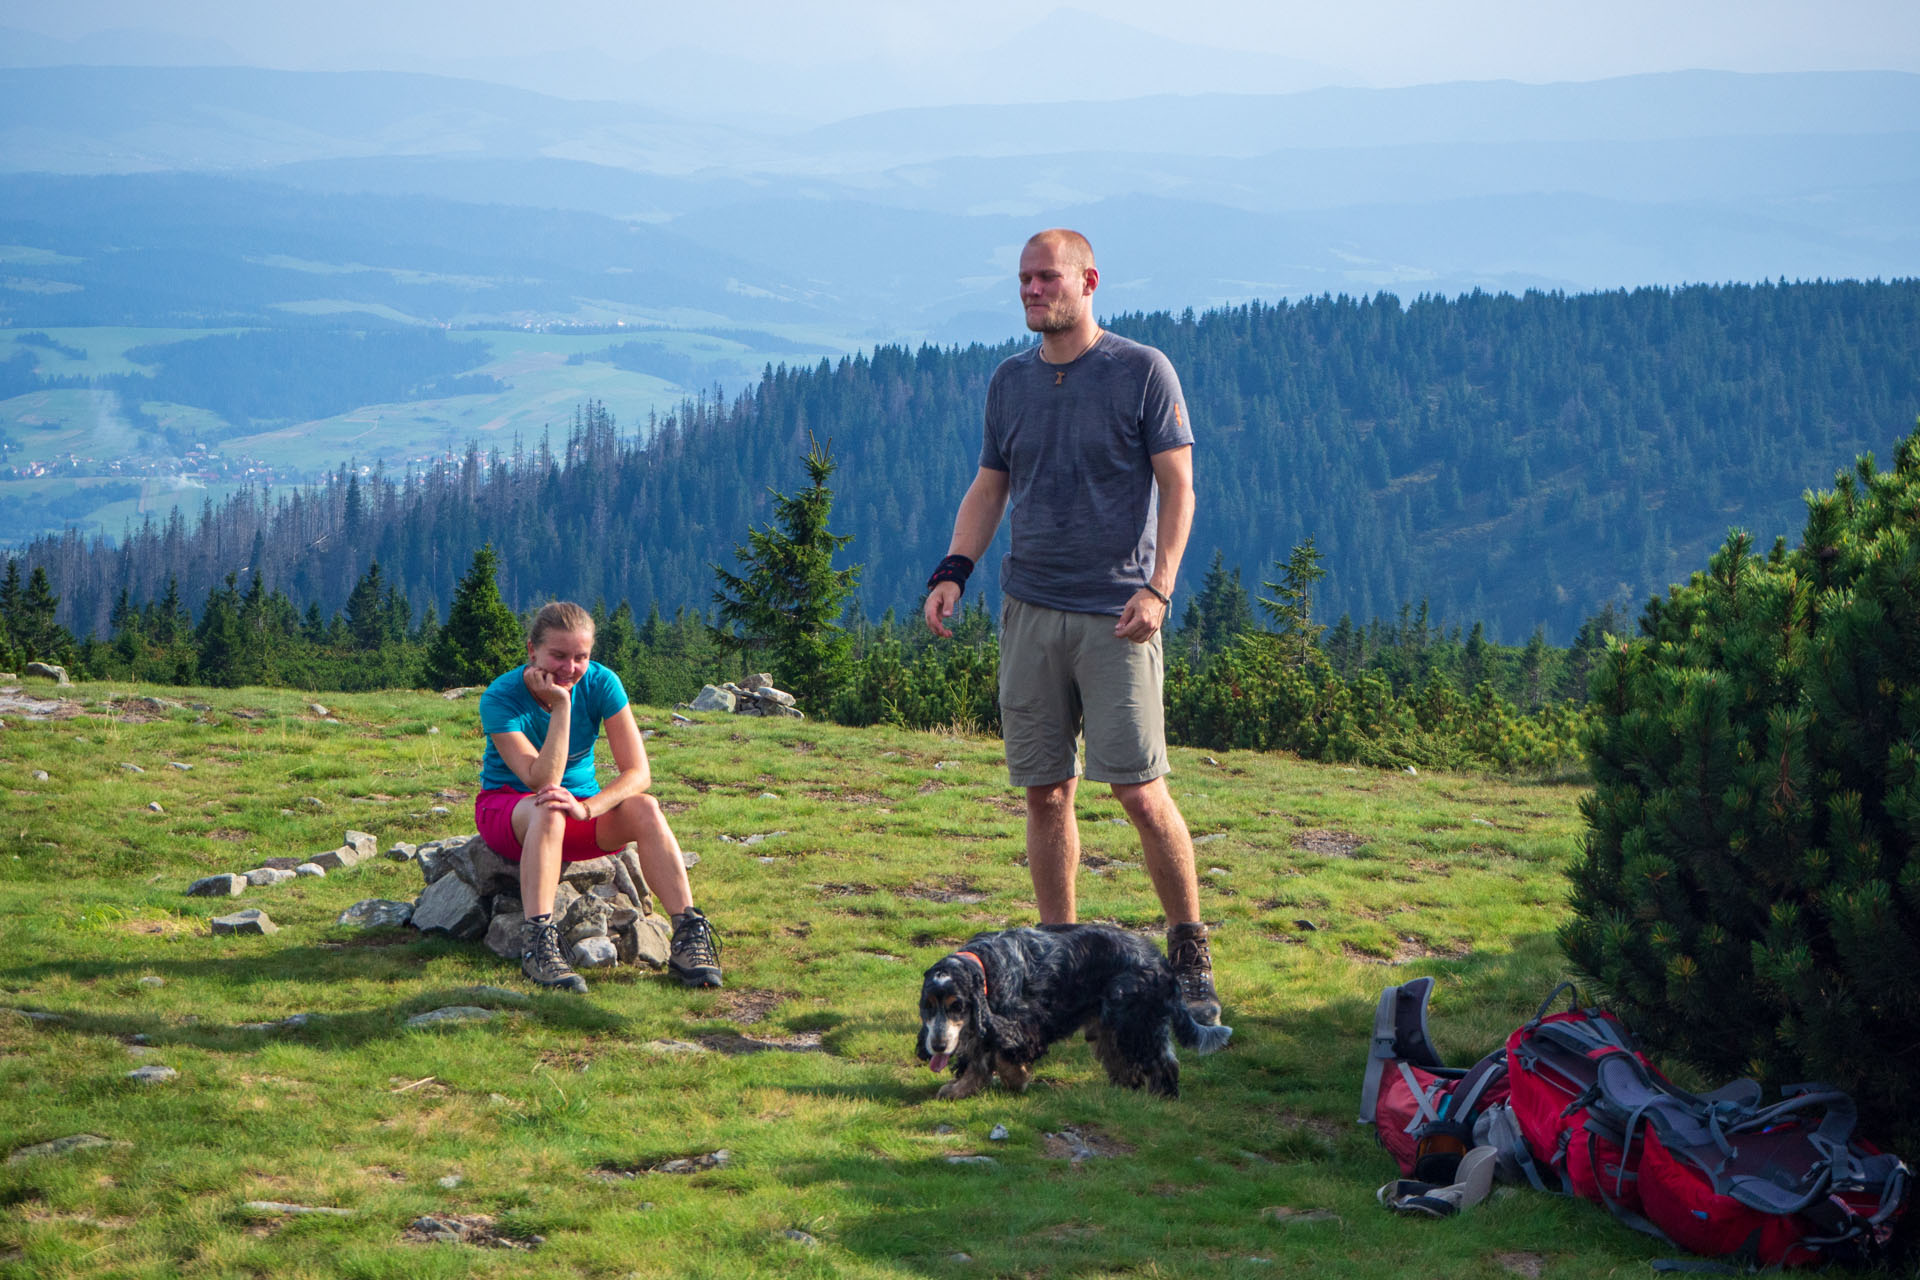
(1087, 435)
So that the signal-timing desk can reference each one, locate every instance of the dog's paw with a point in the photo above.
(964, 1087)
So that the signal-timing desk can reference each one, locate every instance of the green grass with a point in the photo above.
(886, 863)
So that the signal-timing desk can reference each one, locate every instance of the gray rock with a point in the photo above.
(451, 906)
(183, 768)
(767, 693)
(448, 1183)
(402, 852)
(643, 940)
(151, 981)
(376, 913)
(584, 875)
(291, 1022)
(48, 671)
(758, 681)
(434, 860)
(59, 1147)
(362, 843)
(268, 875)
(800, 1237)
(224, 885)
(154, 806)
(131, 768)
(318, 710)
(36, 1015)
(595, 953)
(689, 859)
(481, 991)
(503, 934)
(39, 775)
(697, 1164)
(433, 730)
(452, 1013)
(454, 695)
(155, 1074)
(713, 699)
(971, 1160)
(999, 1134)
(339, 859)
(275, 1206)
(310, 869)
(251, 921)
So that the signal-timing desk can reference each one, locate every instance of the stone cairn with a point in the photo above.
(605, 911)
(758, 698)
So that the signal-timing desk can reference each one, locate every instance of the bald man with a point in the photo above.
(1087, 438)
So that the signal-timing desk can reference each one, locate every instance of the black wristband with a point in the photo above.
(954, 569)
(1166, 601)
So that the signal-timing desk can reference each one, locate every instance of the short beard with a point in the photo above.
(1054, 321)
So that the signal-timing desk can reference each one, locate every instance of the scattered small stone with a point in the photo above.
(131, 768)
(440, 810)
(595, 953)
(944, 1129)
(1210, 760)
(1412, 772)
(688, 858)
(151, 981)
(449, 1182)
(1482, 821)
(680, 719)
(464, 1228)
(1306, 926)
(454, 695)
(433, 729)
(141, 1051)
(251, 921)
(959, 1257)
(39, 775)
(224, 885)
(673, 1046)
(275, 1206)
(318, 710)
(376, 913)
(268, 876)
(402, 852)
(290, 1022)
(175, 764)
(768, 795)
(998, 1133)
(313, 802)
(452, 1013)
(1290, 1215)
(696, 1164)
(767, 862)
(1209, 839)
(139, 1037)
(59, 1147)
(154, 1074)
(800, 1237)
(310, 869)
(946, 764)
(971, 1160)
(154, 805)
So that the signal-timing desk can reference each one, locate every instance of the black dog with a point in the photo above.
(993, 1007)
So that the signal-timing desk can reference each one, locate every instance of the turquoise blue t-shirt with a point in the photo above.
(507, 707)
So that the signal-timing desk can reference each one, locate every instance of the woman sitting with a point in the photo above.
(540, 804)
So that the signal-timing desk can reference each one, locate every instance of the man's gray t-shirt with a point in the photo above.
(1077, 441)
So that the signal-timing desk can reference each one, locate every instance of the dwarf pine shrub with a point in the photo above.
(1748, 895)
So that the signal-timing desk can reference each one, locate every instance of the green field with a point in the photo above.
(884, 850)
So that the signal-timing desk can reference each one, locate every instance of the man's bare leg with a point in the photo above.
(1166, 844)
(1053, 849)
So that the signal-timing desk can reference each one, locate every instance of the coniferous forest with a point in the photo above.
(1517, 461)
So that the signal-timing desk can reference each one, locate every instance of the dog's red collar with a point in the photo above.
(983, 968)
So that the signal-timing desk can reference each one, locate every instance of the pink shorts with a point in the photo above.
(493, 814)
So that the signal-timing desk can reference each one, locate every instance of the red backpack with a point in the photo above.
(1717, 1174)
(1426, 1114)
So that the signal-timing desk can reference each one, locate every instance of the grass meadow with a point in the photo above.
(544, 1128)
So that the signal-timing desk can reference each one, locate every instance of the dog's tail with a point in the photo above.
(1191, 1035)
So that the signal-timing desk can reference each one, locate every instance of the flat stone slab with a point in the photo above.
(268, 876)
(252, 920)
(60, 1147)
(224, 885)
(376, 913)
(155, 1074)
(451, 1014)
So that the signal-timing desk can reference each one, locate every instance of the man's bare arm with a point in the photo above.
(973, 529)
(1146, 613)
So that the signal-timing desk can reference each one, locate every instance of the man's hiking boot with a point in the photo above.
(542, 959)
(1193, 966)
(694, 953)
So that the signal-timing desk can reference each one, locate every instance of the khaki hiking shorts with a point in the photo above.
(1065, 673)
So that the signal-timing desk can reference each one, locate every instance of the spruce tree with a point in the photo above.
(787, 603)
(1292, 613)
(1749, 896)
(481, 638)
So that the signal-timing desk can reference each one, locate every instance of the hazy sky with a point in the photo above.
(1381, 42)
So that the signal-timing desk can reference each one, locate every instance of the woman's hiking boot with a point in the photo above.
(542, 959)
(694, 953)
(1193, 966)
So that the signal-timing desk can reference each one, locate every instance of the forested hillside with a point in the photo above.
(1516, 460)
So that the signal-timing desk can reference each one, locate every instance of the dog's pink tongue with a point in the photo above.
(938, 1063)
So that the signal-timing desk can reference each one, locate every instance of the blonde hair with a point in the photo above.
(559, 615)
